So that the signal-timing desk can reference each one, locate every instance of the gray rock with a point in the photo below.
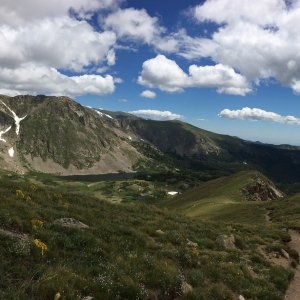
(186, 288)
(160, 232)
(285, 254)
(70, 223)
(226, 241)
(191, 244)
(241, 297)
(18, 243)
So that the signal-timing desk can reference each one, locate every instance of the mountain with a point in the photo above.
(58, 135)
(61, 136)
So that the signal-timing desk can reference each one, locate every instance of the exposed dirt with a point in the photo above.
(293, 292)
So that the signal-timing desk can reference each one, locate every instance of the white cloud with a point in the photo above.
(30, 79)
(15, 13)
(148, 94)
(134, 24)
(256, 114)
(111, 57)
(258, 38)
(156, 115)
(138, 26)
(41, 39)
(60, 43)
(165, 74)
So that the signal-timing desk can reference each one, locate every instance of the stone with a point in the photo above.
(226, 241)
(186, 288)
(285, 254)
(70, 223)
(159, 231)
(18, 243)
(241, 297)
(191, 244)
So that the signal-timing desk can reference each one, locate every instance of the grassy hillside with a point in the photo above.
(129, 251)
(221, 198)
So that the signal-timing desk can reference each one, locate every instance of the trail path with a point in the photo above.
(293, 291)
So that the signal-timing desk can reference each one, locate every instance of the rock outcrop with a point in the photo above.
(261, 189)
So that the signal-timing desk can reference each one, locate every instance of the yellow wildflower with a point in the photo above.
(19, 193)
(41, 245)
(36, 223)
(33, 187)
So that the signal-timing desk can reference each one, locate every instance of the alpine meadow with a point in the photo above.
(149, 150)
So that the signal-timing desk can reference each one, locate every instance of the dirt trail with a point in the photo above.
(293, 291)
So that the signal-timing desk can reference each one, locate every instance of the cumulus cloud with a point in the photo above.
(148, 94)
(30, 79)
(45, 42)
(256, 114)
(134, 24)
(258, 38)
(15, 13)
(137, 25)
(156, 115)
(61, 43)
(165, 74)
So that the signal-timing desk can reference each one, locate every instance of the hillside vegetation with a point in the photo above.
(128, 251)
(227, 198)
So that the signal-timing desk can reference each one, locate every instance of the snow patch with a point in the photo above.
(3, 132)
(16, 118)
(11, 152)
(172, 193)
(103, 114)
(108, 116)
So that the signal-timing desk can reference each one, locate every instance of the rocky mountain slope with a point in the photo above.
(58, 135)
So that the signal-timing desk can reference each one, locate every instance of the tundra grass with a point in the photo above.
(122, 255)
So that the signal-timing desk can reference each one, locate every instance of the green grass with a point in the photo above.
(287, 212)
(221, 199)
(121, 256)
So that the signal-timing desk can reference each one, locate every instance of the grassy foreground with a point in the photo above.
(129, 251)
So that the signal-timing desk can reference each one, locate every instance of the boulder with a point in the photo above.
(226, 241)
(17, 243)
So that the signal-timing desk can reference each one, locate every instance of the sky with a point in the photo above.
(229, 66)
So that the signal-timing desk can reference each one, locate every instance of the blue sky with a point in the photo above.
(228, 66)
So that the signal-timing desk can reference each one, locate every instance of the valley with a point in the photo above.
(181, 213)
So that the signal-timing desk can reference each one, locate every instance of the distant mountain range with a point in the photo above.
(58, 135)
